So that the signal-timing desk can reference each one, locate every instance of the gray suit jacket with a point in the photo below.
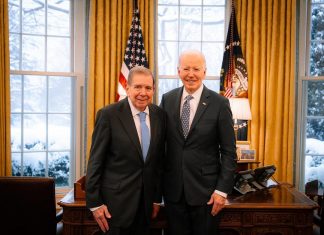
(206, 160)
(116, 172)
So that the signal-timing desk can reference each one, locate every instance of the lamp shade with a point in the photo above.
(240, 108)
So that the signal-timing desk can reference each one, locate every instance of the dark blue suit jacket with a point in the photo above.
(117, 173)
(206, 160)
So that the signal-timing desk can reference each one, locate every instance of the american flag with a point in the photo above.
(233, 76)
(134, 54)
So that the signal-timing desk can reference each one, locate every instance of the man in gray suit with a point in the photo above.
(123, 186)
(200, 151)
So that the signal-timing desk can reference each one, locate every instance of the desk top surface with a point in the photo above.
(278, 197)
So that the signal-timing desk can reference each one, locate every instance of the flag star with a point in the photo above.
(128, 41)
(130, 65)
(139, 43)
(138, 50)
(143, 51)
(127, 48)
(139, 35)
(143, 59)
(131, 57)
(126, 56)
(133, 50)
(137, 58)
(136, 26)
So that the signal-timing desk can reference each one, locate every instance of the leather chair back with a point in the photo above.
(27, 205)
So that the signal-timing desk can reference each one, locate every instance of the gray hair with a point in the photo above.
(192, 52)
(139, 70)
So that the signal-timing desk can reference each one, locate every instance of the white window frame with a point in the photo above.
(304, 76)
(227, 7)
(78, 58)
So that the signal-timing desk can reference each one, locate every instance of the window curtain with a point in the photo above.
(268, 36)
(5, 152)
(109, 26)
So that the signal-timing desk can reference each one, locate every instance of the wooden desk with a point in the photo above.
(279, 210)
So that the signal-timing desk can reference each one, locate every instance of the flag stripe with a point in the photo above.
(135, 54)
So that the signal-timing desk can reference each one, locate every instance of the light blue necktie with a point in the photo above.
(145, 134)
(185, 115)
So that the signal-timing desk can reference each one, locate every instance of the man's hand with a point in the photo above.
(100, 216)
(155, 211)
(218, 203)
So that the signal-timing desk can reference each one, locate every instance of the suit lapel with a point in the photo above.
(203, 103)
(177, 107)
(127, 120)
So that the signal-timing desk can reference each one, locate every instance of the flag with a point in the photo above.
(233, 76)
(134, 54)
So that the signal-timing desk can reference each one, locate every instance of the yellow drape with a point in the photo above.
(268, 36)
(5, 159)
(109, 26)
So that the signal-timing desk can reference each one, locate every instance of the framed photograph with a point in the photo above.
(243, 144)
(247, 155)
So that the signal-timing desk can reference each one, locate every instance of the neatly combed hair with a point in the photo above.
(139, 70)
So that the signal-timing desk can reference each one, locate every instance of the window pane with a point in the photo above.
(58, 17)
(184, 46)
(168, 58)
(59, 94)
(16, 164)
(214, 57)
(58, 54)
(317, 59)
(213, 23)
(59, 167)
(214, 2)
(33, 17)
(169, 2)
(315, 98)
(14, 16)
(317, 28)
(314, 168)
(190, 23)
(16, 132)
(34, 93)
(166, 85)
(34, 164)
(168, 23)
(190, 2)
(14, 46)
(212, 84)
(33, 53)
(59, 131)
(15, 93)
(315, 129)
(34, 132)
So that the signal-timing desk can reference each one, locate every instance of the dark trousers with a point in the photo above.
(139, 226)
(184, 219)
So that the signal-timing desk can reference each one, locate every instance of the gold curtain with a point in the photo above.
(5, 159)
(109, 26)
(268, 36)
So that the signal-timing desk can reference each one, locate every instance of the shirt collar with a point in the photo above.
(196, 95)
(135, 111)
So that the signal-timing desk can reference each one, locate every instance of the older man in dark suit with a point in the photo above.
(124, 169)
(200, 151)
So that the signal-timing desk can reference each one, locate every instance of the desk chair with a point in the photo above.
(28, 206)
(313, 192)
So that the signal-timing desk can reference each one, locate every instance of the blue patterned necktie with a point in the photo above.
(145, 134)
(185, 115)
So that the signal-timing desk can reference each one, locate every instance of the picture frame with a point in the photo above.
(243, 144)
(247, 155)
